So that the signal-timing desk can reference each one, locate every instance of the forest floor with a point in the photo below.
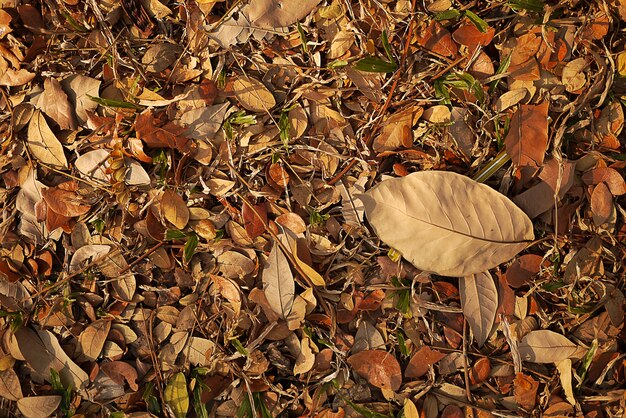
(312, 208)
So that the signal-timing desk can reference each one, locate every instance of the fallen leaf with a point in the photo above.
(421, 361)
(437, 39)
(544, 346)
(14, 78)
(611, 177)
(523, 269)
(176, 395)
(574, 77)
(525, 390)
(174, 209)
(160, 56)
(480, 371)
(446, 223)
(10, 387)
(278, 282)
(42, 143)
(159, 133)
(527, 138)
(397, 130)
(93, 337)
(469, 35)
(601, 203)
(510, 99)
(305, 358)
(39, 406)
(479, 300)
(64, 200)
(272, 14)
(378, 367)
(409, 410)
(565, 375)
(54, 103)
(254, 226)
(200, 351)
(252, 94)
(79, 90)
(120, 371)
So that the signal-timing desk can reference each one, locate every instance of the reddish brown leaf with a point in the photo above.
(421, 361)
(452, 411)
(119, 371)
(601, 203)
(523, 269)
(208, 91)
(378, 367)
(480, 371)
(437, 39)
(612, 178)
(469, 35)
(254, 226)
(158, 133)
(64, 200)
(527, 139)
(525, 389)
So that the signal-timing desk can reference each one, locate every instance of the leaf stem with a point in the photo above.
(493, 166)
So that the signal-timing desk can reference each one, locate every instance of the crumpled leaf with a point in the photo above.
(54, 102)
(446, 223)
(479, 300)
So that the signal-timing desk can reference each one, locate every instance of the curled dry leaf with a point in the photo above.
(54, 102)
(379, 368)
(39, 406)
(479, 300)
(446, 223)
(525, 390)
(611, 177)
(119, 371)
(42, 143)
(64, 200)
(545, 346)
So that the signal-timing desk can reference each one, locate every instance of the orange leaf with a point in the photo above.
(378, 367)
(251, 222)
(469, 35)
(437, 39)
(525, 389)
(64, 200)
(421, 361)
(157, 133)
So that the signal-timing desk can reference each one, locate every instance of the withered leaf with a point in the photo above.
(42, 143)
(379, 368)
(174, 209)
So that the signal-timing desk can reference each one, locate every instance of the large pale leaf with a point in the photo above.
(446, 223)
(10, 385)
(278, 283)
(42, 143)
(546, 346)
(39, 406)
(479, 299)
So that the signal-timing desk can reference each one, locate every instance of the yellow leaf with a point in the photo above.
(621, 63)
(409, 410)
(313, 275)
(176, 396)
(174, 209)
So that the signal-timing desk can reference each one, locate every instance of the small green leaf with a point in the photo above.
(198, 405)
(448, 15)
(239, 347)
(283, 126)
(305, 48)
(174, 234)
(176, 396)
(375, 65)
(386, 46)
(535, 6)
(337, 64)
(477, 21)
(190, 247)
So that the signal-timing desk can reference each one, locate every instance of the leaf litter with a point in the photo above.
(313, 209)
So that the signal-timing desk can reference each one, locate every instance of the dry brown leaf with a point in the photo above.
(78, 88)
(64, 200)
(397, 130)
(525, 389)
(42, 143)
(479, 300)
(159, 133)
(469, 35)
(544, 346)
(252, 94)
(446, 223)
(523, 269)
(574, 77)
(379, 368)
(10, 387)
(612, 178)
(278, 282)
(437, 39)
(527, 139)
(254, 226)
(13, 78)
(39, 406)
(174, 209)
(601, 204)
(54, 103)
(421, 361)
(93, 337)
(120, 371)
